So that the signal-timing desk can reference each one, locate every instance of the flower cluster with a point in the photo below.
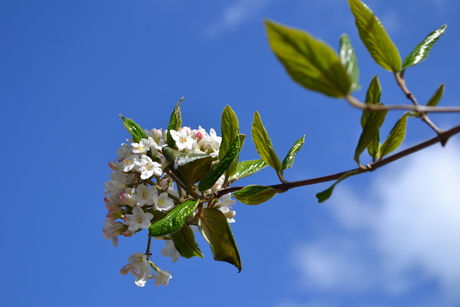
(142, 189)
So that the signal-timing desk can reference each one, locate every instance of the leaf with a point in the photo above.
(215, 229)
(396, 136)
(191, 167)
(348, 59)
(230, 130)
(373, 94)
(263, 143)
(375, 37)
(434, 100)
(310, 62)
(174, 220)
(134, 129)
(421, 51)
(184, 241)
(289, 159)
(175, 122)
(217, 170)
(247, 168)
(254, 194)
(370, 130)
(326, 194)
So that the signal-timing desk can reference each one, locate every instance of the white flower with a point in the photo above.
(128, 163)
(112, 229)
(138, 219)
(162, 278)
(163, 202)
(148, 168)
(170, 251)
(139, 266)
(141, 147)
(144, 195)
(224, 206)
(124, 150)
(182, 138)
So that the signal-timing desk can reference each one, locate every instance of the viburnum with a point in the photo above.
(173, 182)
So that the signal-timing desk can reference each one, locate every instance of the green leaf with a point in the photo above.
(134, 129)
(370, 130)
(175, 122)
(230, 129)
(191, 167)
(396, 136)
(263, 143)
(247, 168)
(217, 170)
(326, 194)
(184, 241)
(216, 231)
(375, 37)
(434, 100)
(348, 59)
(254, 194)
(289, 159)
(174, 220)
(309, 61)
(373, 94)
(421, 51)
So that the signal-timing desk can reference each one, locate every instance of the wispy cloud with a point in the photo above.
(405, 235)
(236, 14)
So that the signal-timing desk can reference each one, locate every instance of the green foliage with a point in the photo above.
(215, 229)
(247, 168)
(396, 136)
(174, 220)
(175, 122)
(326, 194)
(348, 59)
(254, 194)
(436, 98)
(375, 37)
(310, 62)
(288, 161)
(134, 129)
(421, 51)
(263, 143)
(372, 97)
(230, 130)
(184, 242)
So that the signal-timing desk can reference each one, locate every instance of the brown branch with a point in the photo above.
(441, 138)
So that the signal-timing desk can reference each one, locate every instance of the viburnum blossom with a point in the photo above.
(142, 187)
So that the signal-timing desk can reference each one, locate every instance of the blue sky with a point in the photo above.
(68, 68)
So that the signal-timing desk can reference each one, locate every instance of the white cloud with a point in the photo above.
(401, 234)
(237, 13)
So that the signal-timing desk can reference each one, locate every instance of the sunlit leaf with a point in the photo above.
(422, 50)
(348, 59)
(134, 129)
(372, 97)
(375, 37)
(184, 242)
(247, 168)
(254, 194)
(326, 194)
(370, 130)
(434, 100)
(214, 227)
(175, 122)
(263, 143)
(289, 159)
(396, 136)
(174, 220)
(309, 61)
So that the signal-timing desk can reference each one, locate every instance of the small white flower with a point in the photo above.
(138, 219)
(112, 229)
(139, 266)
(182, 138)
(163, 202)
(148, 168)
(141, 147)
(128, 163)
(144, 195)
(124, 150)
(170, 251)
(224, 206)
(162, 278)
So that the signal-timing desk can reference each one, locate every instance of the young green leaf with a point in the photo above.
(263, 143)
(175, 122)
(174, 220)
(191, 167)
(247, 168)
(289, 159)
(372, 97)
(230, 130)
(215, 229)
(254, 194)
(421, 51)
(375, 37)
(396, 136)
(184, 242)
(348, 59)
(134, 129)
(326, 194)
(370, 130)
(434, 100)
(310, 62)
(216, 171)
